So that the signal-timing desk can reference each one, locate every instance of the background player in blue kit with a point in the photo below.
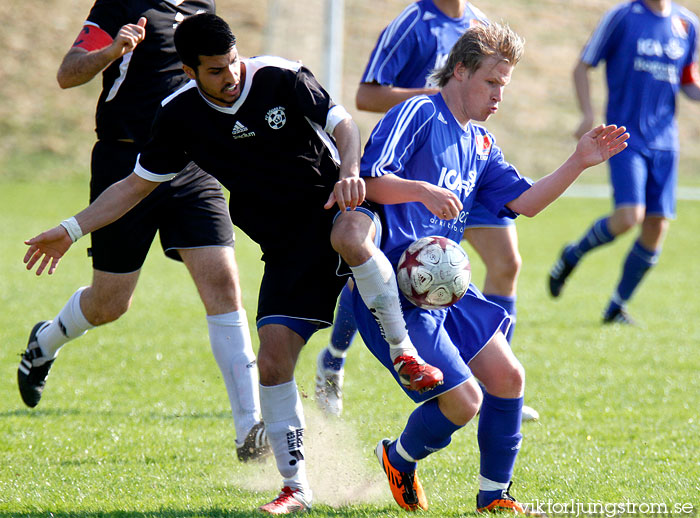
(427, 163)
(408, 50)
(228, 120)
(130, 42)
(650, 50)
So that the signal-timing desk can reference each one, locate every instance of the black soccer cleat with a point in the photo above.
(559, 273)
(255, 446)
(33, 370)
(618, 316)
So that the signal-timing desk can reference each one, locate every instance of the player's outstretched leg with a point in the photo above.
(283, 415)
(427, 431)
(330, 362)
(45, 341)
(560, 272)
(353, 238)
(597, 235)
(638, 262)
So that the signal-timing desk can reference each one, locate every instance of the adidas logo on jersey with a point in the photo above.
(241, 131)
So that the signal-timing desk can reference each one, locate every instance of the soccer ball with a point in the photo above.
(434, 272)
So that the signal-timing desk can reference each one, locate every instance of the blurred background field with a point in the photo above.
(135, 421)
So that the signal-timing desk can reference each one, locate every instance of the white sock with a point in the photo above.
(284, 424)
(70, 323)
(377, 284)
(336, 353)
(489, 485)
(229, 335)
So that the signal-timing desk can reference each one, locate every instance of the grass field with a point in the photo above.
(135, 421)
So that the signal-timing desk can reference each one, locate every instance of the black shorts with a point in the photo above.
(189, 212)
(303, 273)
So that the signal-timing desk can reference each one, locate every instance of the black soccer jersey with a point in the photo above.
(134, 85)
(269, 149)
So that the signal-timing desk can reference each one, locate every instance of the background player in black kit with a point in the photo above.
(131, 43)
(272, 135)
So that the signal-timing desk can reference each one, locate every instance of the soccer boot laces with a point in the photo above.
(405, 486)
(33, 369)
(329, 388)
(416, 374)
(288, 501)
(255, 446)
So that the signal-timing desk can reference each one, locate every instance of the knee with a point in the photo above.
(626, 220)
(274, 370)
(510, 382)
(350, 233)
(461, 404)
(513, 381)
(655, 228)
(506, 267)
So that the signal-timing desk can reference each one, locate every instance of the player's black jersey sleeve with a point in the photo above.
(134, 85)
(165, 154)
(313, 99)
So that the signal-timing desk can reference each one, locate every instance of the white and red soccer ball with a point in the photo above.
(434, 272)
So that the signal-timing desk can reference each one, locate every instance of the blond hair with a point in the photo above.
(477, 44)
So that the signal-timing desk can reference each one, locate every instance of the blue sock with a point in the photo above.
(426, 431)
(343, 333)
(597, 235)
(639, 261)
(499, 436)
(507, 303)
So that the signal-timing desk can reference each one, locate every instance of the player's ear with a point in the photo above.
(460, 71)
(189, 72)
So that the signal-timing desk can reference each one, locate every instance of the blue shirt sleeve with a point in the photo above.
(398, 135)
(501, 183)
(396, 45)
(605, 37)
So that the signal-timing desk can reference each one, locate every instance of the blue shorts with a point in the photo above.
(447, 338)
(481, 217)
(645, 178)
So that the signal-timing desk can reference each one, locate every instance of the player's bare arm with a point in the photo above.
(583, 95)
(48, 247)
(374, 97)
(80, 64)
(349, 190)
(593, 148)
(390, 189)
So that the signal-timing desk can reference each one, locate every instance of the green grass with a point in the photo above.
(135, 420)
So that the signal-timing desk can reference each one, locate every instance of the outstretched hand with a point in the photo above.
(48, 247)
(601, 143)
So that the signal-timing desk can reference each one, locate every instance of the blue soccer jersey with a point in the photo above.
(648, 56)
(415, 43)
(420, 139)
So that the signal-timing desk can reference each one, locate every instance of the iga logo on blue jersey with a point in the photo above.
(452, 180)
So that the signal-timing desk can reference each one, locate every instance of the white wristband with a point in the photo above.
(73, 228)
